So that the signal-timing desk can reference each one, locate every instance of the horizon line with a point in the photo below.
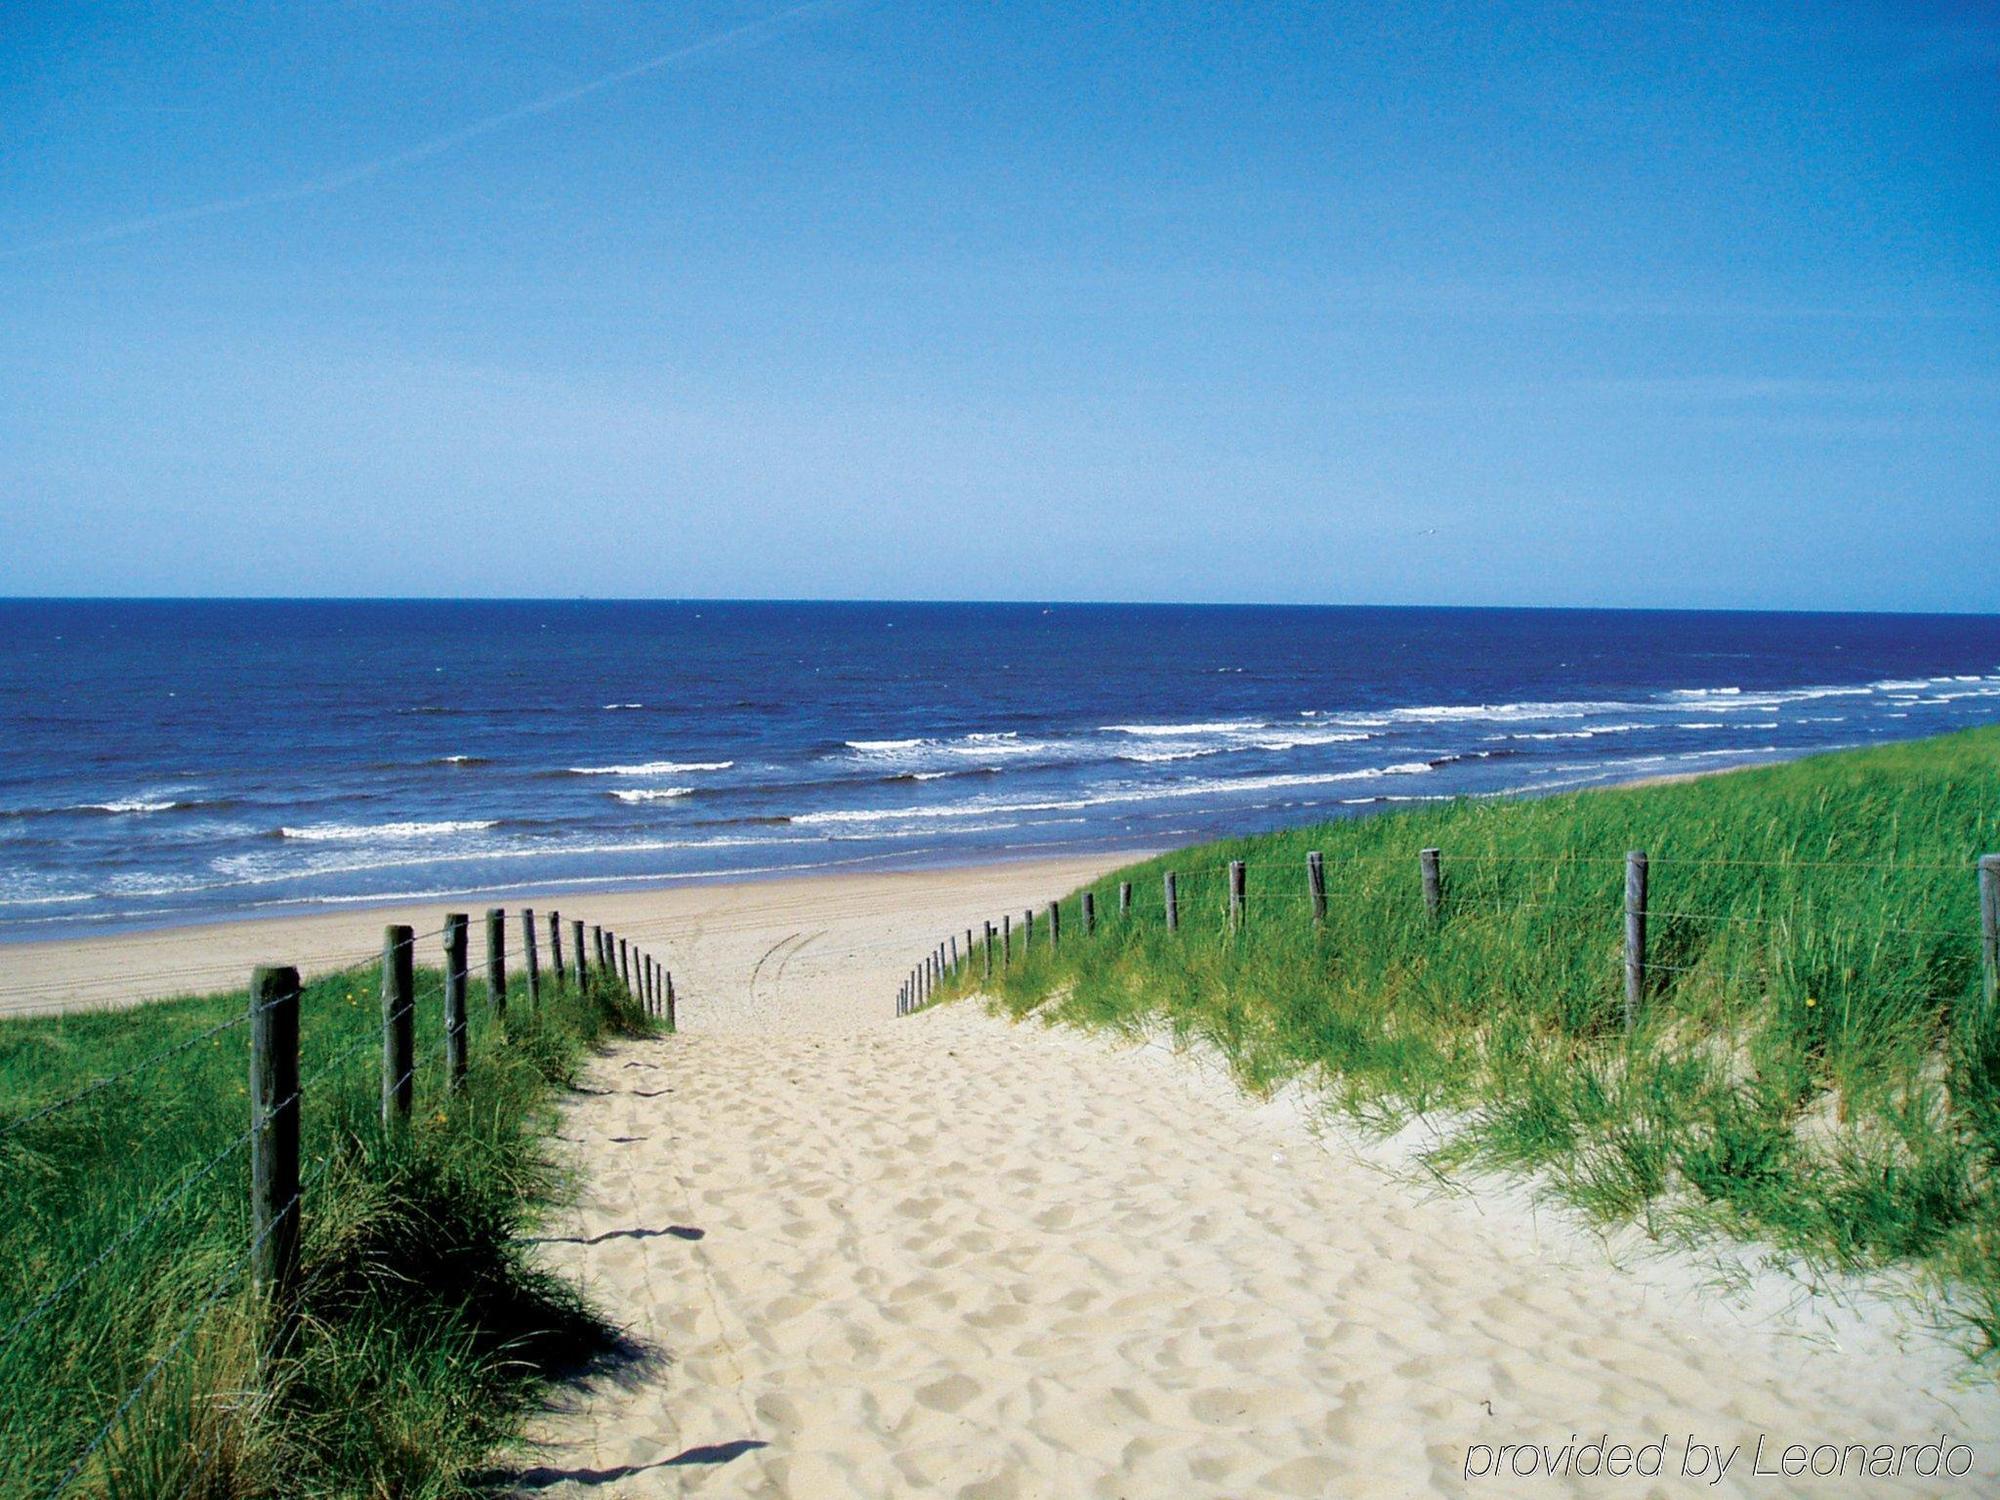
(864, 601)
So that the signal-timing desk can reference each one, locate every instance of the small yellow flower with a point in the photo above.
(1810, 1002)
(438, 1118)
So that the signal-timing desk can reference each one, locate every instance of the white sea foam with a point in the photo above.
(1184, 731)
(1162, 757)
(1293, 739)
(1110, 795)
(128, 805)
(354, 833)
(654, 768)
(653, 793)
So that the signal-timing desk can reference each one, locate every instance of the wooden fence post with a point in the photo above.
(399, 1024)
(1089, 913)
(1433, 882)
(1173, 903)
(597, 947)
(954, 953)
(1055, 925)
(672, 1024)
(496, 961)
(1124, 898)
(968, 947)
(1635, 935)
(456, 929)
(555, 947)
(1027, 932)
(989, 950)
(624, 965)
(274, 1131)
(1235, 894)
(576, 942)
(1006, 941)
(528, 951)
(1316, 885)
(1989, 925)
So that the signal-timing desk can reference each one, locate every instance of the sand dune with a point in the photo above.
(946, 1255)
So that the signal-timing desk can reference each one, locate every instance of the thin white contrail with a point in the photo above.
(437, 145)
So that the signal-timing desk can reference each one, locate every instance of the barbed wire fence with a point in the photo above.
(257, 1183)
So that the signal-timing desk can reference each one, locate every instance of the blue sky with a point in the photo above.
(1538, 303)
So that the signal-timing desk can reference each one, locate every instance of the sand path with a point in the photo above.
(945, 1255)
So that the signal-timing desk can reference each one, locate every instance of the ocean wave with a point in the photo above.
(652, 768)
(616, 707)
(118, 807)
(1293, 739)
(1183, 731)
(652, 793)
(354, 833)
(1165, 757)
(1108, 796)
(459, 760)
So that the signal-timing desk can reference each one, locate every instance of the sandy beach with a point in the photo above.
(816, 953)
(949, 1255)
(864, 1256)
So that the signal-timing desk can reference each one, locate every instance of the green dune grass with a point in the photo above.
(1814, 1067)
(423, 1330)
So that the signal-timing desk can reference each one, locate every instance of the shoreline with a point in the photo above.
(113, 970)
(592, 887)
(45, 976)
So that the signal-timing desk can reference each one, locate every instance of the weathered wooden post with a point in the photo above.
(1006, 941)
(672, 1024)
(1316, 885)
(954, 953)
(556, 965)
(274, 1131)
(597, 947)
(624, 965)
(1989, 926)
(399, 1024)
(1027, 932)
(1235, 894)
(1635, 935)
(1089, 913)
(1173, 903)
(989, 950)
(1124, 898)
(496, 961)
(576, 942)
(1427, 859)
(968, 947)
(533, 958)
(457, 928)
(1055, 925)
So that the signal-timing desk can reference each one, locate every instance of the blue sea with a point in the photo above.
(164, 762)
